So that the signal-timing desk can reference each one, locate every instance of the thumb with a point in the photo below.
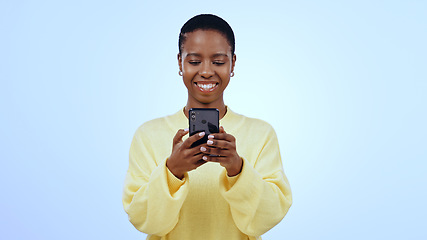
(221, 129)
(178, 136)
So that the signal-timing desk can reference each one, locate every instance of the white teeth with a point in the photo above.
(205, 86)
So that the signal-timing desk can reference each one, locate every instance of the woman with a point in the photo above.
(173, 191)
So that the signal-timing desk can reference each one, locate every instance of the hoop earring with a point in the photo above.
(180, 73)
(232, 74)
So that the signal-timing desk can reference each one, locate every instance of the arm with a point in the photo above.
(260, 195)
(152, 195)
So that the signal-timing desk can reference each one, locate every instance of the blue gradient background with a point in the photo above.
(343, 83)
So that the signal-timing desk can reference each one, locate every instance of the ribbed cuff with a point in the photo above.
(174, 183)
(228, 182)
(232, 180)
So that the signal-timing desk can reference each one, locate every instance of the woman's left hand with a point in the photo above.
(223, 145)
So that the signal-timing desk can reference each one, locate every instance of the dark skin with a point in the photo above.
(206, 63)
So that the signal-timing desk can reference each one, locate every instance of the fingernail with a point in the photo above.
(205, 158)
(186, 130)
(210, 142)
(210, 136)
(202, 149)
(202, 134)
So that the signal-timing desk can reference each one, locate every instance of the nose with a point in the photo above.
(206, 71)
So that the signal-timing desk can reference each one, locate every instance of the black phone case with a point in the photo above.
(203, 120)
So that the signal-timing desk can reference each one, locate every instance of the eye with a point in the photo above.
(194, 62)
(218, 63)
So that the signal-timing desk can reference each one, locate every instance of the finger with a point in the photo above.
(214, 151)
(220, 144)
(200, 163)
(222, 136)
(196, 150)
(221, 129)
(209, 158)
(192, 139)
(178, 136)
(196, 161)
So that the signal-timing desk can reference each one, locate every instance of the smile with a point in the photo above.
(206, 87)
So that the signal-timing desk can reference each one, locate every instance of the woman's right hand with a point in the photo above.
(183, 157)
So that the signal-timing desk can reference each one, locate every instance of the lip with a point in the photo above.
(206, 90)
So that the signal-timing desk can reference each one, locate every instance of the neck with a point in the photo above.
(221, 107)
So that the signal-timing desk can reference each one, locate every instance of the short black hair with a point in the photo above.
(207, 22)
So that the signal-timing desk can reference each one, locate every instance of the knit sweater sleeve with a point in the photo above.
(260, 196)
(152, 195)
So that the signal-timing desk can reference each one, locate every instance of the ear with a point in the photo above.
(179, 62)
(233, 62)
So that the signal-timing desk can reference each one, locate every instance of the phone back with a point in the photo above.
(203, 120)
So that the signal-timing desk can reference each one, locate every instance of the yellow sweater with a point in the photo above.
(206, 204)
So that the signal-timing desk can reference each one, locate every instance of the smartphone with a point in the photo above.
(203, 120)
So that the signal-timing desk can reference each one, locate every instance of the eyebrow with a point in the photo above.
(220, 55)
(215, 55)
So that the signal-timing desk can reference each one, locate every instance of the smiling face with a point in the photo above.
(206, 63)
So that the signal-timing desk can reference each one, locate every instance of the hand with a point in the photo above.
(184, 158)
(223, 145)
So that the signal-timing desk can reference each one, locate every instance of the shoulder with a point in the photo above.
(250, 126)
(254, 124)
(259, 124)
(158, 126)
(152, 125)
